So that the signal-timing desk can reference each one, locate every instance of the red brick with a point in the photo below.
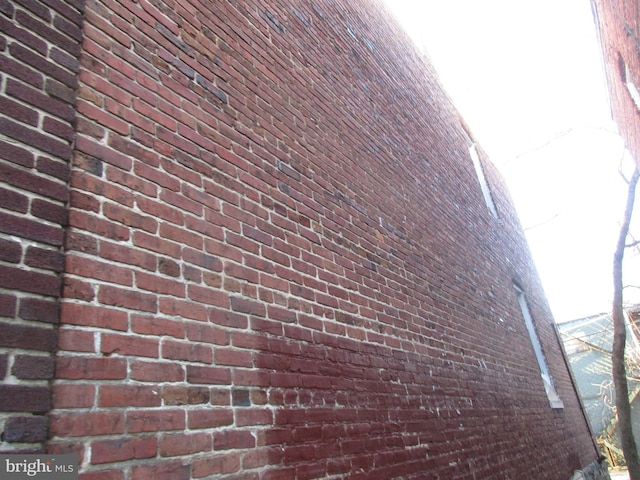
(23, 398)
(157, 371)
(134, 182)
(261, 457)
(180, 395)
(266, 326)
(206, 333)
(76, 340)
(145, 110)
(186, 351)
(162, 471)
(31, 429)
(156, 284)
(129, 396)
(65, 448)
(36, 309)
(213, 465)
(4, 365)
(30, 367)
(254, 378)
(104, 228)
(169, 267)
(102, 475)
(86, 368)
(208, 296)
(92, 268)
(34, 138)
(158, 326)
(44, 258)
(253, 416)
(58, 128)
(128, 255)
(178, 444)
(125, 216)
(7, 305)
(16, 201)
(242, 243)
(201, 197)
(89, 315)
(85, 424)
(123, 448)
(228, 319)
(128, 345)
(182, 202)
(232, 439)
(93, 149)
(204, 260)
(52, 33)
(160, 210)
(156, 176)
(154, 420)
(73, 395)
(103, 118)
(282, 473)
(208, 375)
(87, 127)
(209, 418)
(281, 314)
(241, 272)
(134, 300)
(185, 309)
(16, 153)
(156, 244)
(39, 100)
(237, 358)
(28, 337)
(73, 288)
(29, 281)
(56, 168)
(251, 307)
(81, 243)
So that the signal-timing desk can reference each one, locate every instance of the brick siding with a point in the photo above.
(279, 262)
(39, 52)
(620, 40)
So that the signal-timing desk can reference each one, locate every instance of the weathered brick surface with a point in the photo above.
(39, 52)
(278, 260)
(31, 429)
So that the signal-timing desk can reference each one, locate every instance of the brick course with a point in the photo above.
(278, 261)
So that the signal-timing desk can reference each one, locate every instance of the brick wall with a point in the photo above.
(39, 50)
(279, 262)
(617, 23)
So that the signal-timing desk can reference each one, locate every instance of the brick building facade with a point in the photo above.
(254, 240)
(618, 23)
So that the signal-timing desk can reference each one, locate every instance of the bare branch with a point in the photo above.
(634, 242)
(623, 405)
(544, 222)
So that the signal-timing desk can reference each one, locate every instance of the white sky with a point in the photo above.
(528, 79)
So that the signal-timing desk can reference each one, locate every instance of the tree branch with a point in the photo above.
(623, 405)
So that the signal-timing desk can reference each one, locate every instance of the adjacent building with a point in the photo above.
(588, 342)
(617, 24)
